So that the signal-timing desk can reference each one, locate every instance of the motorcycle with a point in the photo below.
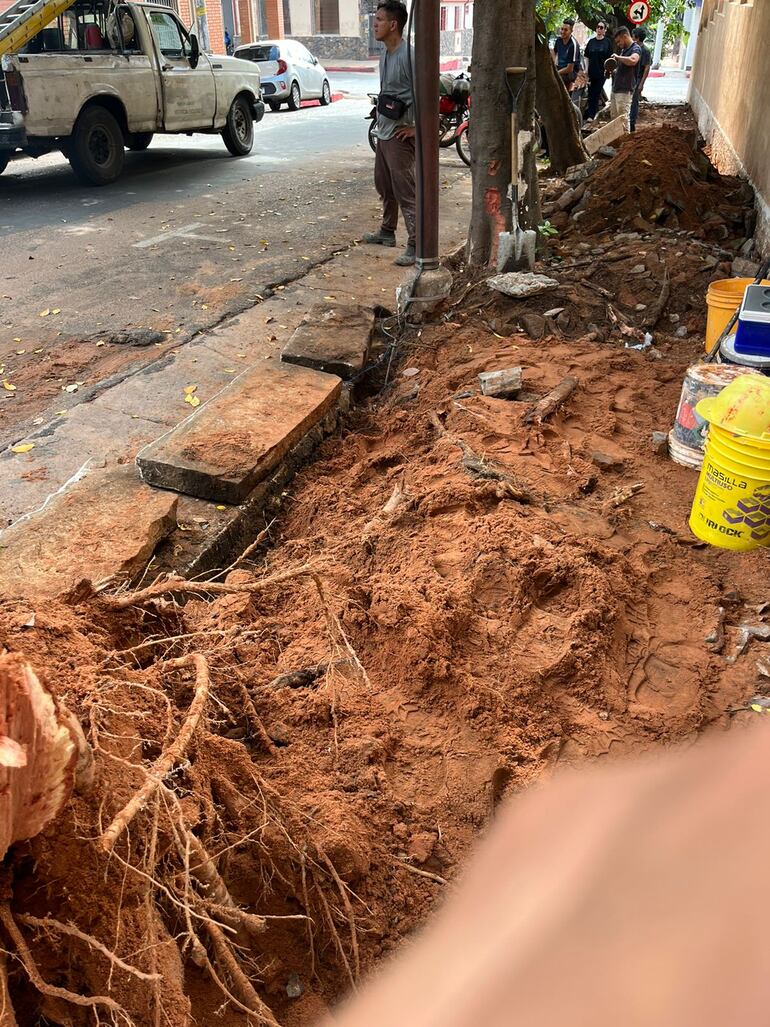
(453, 113)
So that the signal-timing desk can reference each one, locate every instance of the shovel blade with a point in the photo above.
(516, 251)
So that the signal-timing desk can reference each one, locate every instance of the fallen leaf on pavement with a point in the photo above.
(190, 389)
(22, 447)
(8, 387)
(45, 313)
(193, 401)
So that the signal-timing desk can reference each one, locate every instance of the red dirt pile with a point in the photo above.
(494, 597)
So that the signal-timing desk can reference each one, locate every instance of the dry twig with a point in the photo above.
(348, 909)
(420, 873)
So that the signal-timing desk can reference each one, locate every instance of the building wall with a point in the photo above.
(730, 95)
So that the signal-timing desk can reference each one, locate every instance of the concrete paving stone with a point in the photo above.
(606, 134)
(336, 339)
(157, 392)
(105, 525)
(88, 437)
(227, 446)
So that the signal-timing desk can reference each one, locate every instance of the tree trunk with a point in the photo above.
(565, 145)
(503, 37)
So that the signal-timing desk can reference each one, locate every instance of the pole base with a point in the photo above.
(423, 290)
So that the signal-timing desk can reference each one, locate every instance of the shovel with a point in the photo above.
(515, 249)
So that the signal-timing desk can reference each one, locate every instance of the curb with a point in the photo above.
(317, 103)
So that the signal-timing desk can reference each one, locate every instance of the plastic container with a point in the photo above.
(731, 508)
(752, 336)
(723, 299)
(686, 439)
(728, 355)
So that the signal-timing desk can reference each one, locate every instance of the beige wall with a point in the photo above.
(730, 94)
(350, 24)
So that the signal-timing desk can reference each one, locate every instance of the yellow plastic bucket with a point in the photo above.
(723, 299)
(731, 508)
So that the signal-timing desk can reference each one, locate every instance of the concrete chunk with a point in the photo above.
(107, 524)
(223, 450)
(606, 134)
(335, 339)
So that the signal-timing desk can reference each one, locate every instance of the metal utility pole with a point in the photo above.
(426, 87)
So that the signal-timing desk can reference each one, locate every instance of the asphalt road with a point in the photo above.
(187, 236)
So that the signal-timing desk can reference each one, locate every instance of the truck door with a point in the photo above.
(189, 95)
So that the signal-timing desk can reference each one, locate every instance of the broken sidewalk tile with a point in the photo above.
(336, 339)
(520, 284)
(606, 134)
(105, 525)
(228, 445)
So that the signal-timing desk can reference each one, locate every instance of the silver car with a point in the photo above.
(289, 72)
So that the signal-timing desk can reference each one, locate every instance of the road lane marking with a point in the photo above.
(185, 232)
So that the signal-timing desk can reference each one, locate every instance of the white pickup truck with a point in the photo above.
(103, 76)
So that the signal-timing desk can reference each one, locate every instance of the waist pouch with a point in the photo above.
(391, 107)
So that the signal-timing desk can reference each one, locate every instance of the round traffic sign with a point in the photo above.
(638, 11)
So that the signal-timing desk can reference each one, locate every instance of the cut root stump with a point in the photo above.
(550, 403)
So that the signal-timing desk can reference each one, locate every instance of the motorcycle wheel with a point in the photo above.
(464, 145)
(372, 136)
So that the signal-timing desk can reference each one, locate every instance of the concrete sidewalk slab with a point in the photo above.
(229, 445)
(107, 524)
(335, 339)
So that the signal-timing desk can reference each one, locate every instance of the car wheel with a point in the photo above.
(3, 164)
(372, 135)
(238, 133)
(295, 97)
(138, 141)
(96, 149)
(273, 105)
(326, 94)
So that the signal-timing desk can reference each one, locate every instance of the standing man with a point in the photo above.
(627, 54)
(394, 159)
(598, 50)
(566, 55)
(643, 70)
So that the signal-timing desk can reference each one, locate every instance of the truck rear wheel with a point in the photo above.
(138, 141)
(238, 133)
(96, 148)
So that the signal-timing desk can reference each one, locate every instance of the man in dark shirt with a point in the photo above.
(643, 70)
(598, 50)
(627, 54)
(566, 54)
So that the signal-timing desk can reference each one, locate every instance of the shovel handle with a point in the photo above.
(515, 79)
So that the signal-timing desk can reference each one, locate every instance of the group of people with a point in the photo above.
(394, 167)
(629, 65)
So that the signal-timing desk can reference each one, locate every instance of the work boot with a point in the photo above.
(381, 238)
(406, 259)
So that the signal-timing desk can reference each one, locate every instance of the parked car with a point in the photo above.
(289, 72)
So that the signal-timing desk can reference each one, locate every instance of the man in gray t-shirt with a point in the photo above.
(394, 160)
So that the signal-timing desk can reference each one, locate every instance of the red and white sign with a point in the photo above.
(638, 11)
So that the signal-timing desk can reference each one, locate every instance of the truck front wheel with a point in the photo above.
(96, 148)
(238, 133)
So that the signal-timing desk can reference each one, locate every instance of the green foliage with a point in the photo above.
(553, 12)
(547, 230)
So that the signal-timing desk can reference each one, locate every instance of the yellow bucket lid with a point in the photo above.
(742, 407)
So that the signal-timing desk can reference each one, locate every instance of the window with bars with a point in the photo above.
(327, 17)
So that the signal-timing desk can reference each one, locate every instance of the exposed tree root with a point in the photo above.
(172, 755)
(25, 957)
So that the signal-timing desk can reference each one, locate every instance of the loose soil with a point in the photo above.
(491, 603)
